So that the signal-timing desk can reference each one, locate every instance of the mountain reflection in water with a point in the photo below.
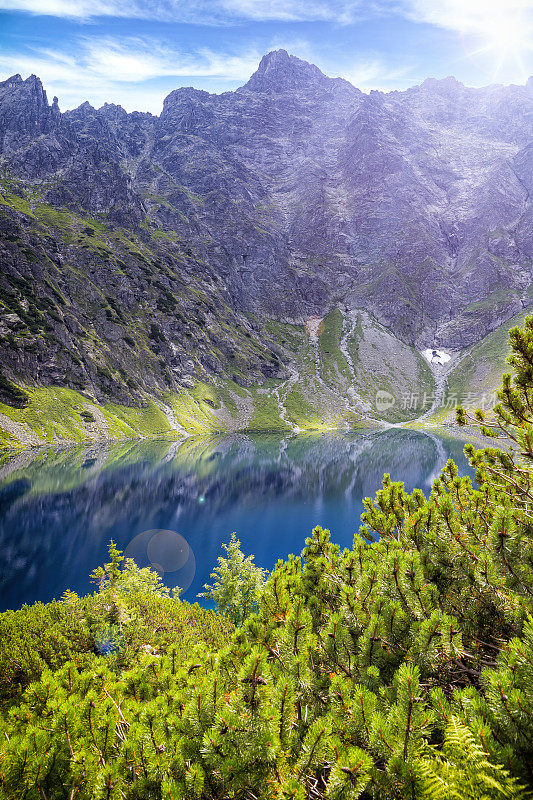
(60, 508)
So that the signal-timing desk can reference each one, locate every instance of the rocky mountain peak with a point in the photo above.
(279, 72)
(113, 111)
(84, 108)
(292, 192)
(442, 86)
(30, 90)
(10, 82)
(24, 111)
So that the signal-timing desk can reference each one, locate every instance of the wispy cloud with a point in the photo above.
(76, 9)
(373, 72)
(198, 11)
(339, 11)
(134, 60)
(463, 16)
(120, 70)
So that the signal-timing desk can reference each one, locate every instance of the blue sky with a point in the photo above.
(134, 52)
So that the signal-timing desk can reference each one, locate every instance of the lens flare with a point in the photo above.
(167, 553)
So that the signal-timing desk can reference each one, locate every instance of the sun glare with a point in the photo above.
(503, 35)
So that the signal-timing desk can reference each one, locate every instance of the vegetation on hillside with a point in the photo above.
(477, 373)
(238, 583)
(401, 668)
(332, 384)
(131, 614)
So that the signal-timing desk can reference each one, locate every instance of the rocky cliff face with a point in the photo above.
(139, 250)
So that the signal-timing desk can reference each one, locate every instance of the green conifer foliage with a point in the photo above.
(399, 669)
(238, 583)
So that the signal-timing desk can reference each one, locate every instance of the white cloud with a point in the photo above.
(81, 9)
(467, 16)
(497, 34)
(135, 59)
(120, 71)
(198, 11)
(341, 11)
(464, 16)
(374, 73)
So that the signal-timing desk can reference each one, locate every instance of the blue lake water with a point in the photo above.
(60, 508)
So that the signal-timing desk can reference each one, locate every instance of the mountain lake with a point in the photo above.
(171, 505)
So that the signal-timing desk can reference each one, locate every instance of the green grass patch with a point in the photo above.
(56, 414)
(55, 217)
(302, 413)
(479, 371)
(266, 413)
(17, 203)
(204, 393)
(192, 412)
(130, 421)
(52, 414)
(226, 392)
(334, 368)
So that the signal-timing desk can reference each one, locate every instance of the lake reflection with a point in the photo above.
(59, 509)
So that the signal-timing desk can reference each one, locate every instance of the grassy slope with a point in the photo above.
(383, 363)
(172, 308)
(480, 370)
(478, 374)
(54, 414)
(334, 367)
(313, 402)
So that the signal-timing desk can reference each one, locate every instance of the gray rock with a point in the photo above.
(292, 194)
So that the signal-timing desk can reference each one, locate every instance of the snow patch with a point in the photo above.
(433, 356)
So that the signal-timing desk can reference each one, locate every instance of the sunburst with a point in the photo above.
(503, 38)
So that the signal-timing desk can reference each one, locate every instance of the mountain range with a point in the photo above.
(158, 271)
